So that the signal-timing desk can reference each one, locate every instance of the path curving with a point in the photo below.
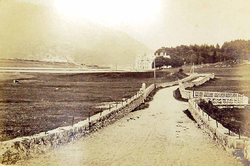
(159, 135)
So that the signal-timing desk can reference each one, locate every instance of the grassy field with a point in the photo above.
(236, 79)
(41, 102)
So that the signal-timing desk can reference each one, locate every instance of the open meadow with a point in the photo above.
(234, 79)
(44, 101)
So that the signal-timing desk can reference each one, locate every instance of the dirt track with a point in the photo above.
(159, 135)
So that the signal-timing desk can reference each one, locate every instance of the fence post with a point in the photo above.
(89, 121)
(193, 92)
(239, 133)
(144, 90)
(216, 123)
(228, 131)
(89, 116)
(73, 120)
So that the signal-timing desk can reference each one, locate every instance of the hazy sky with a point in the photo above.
(158, 23)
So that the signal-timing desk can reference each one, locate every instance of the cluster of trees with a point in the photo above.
(173, 62)
(235, 50)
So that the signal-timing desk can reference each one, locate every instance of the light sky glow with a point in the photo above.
(158, 23)
(110, 12)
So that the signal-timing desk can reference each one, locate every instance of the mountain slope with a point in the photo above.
(29, 31)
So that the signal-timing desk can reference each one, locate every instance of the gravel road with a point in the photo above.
(159, 135)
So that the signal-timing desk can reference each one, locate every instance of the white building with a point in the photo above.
(144, 62)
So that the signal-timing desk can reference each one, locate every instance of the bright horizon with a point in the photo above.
(167, 23)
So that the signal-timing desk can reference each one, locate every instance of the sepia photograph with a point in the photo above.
(124, 82)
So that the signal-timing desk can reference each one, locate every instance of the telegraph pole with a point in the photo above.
(192, 70)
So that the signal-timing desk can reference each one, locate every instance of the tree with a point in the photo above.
(214, 57)
(233, 50)
(159, 62)
(217, 47)
(194, 59)
(176, 61)
(201, 60)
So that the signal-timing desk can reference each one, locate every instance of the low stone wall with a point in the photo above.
(231, 142)
(168, 84)
(228, 139)
(187, 94)
(204, 78)
(218, 98)
(24, 147)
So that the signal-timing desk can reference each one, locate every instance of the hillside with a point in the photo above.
(34, 32)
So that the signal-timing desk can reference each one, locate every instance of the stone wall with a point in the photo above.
(168, 84)
(187, 94)
(218, 98)
(229, 140)
(24, 147)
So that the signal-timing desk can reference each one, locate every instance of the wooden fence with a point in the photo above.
(218, 98)
(222, 98)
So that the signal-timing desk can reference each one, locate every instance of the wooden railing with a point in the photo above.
(218, 98)
(221, 98)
